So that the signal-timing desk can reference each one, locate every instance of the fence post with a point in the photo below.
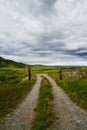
(60, 74)
(29, 74)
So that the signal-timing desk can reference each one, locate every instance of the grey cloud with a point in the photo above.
(48, 3)
(81, 52)
(48, 47)
(44, 30)
(45, 8)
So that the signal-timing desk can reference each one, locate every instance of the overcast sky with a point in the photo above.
(52, 32)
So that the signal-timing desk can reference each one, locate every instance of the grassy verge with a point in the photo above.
(77, 91)
(12, 91)
(44, 115)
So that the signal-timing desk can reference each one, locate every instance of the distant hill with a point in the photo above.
(10, 63)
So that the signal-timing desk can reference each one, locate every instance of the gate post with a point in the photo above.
(60, 74)
(29, 74)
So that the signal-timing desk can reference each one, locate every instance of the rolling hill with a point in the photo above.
(9, 63)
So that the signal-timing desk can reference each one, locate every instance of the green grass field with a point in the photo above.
(12, 90)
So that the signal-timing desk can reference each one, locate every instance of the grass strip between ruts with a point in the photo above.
(44, 114)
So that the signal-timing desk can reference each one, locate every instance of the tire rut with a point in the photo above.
(24, 114)
(69, 116)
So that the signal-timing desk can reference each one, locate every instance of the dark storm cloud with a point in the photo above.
(81, 52)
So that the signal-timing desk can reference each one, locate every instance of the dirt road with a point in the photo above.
(70, 116)
(24, 114)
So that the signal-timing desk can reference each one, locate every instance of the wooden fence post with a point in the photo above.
(29, 73)
(60, 74)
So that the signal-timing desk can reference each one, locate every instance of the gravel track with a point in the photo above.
(69, 116)
(24, 114)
